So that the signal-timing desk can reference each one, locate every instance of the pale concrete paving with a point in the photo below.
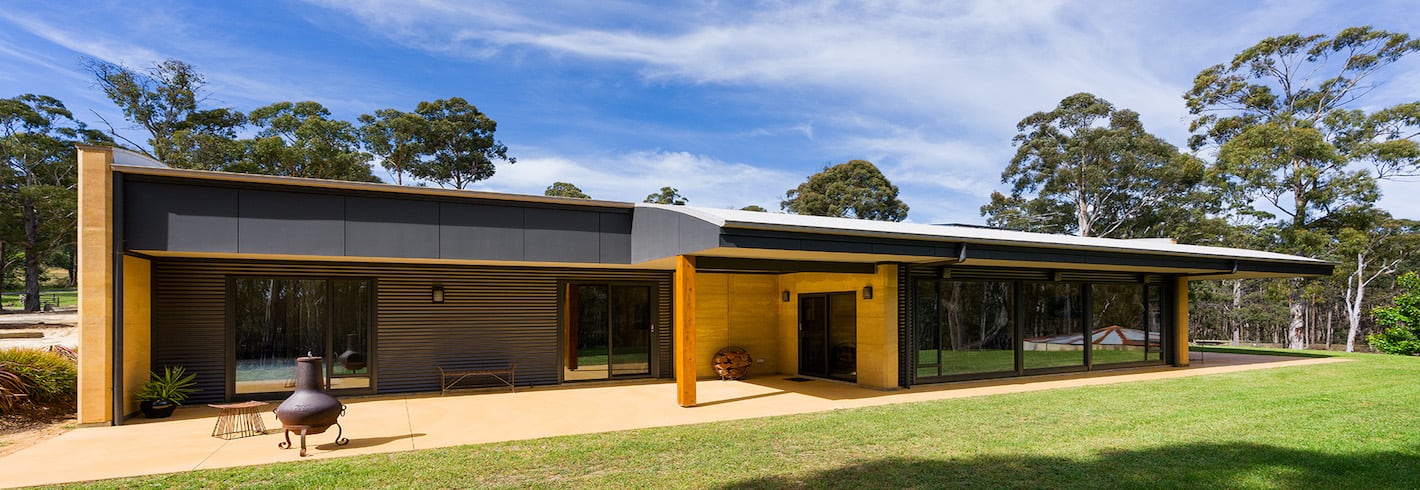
(388, 424)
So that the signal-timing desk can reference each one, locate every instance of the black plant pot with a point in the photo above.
(157, 410)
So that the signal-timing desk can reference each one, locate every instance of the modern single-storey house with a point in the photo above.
(233, 276)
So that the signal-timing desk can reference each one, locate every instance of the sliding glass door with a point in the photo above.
(608, 331)
(276, 320)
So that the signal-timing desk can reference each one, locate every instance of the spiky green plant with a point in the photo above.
(174, 385)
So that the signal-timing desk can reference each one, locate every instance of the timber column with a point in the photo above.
(1180, 321)
(95, 387)
(685, 330)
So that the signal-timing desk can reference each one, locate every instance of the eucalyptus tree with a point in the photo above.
(301, 140)
(1090, 169)
(396, 138)
(853, 189)
(38, 178)
(667, 195)
(458, 141)
(565, 189)
(168, 101)
(1294, 147)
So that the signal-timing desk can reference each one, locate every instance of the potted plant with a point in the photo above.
(164, 392)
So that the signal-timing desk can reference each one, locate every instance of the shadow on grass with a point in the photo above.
(1259, 351)
(1190, 466)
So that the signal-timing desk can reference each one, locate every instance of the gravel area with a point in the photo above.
(58, 328)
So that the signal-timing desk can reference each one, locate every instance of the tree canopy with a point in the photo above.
(1090, 169)
(396, 138)
(854, 189)
(301, 140)
(667, 195)
(565, 189)
(459, 142)
(167, 101)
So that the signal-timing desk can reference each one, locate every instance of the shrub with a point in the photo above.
(1402, 336)
(49, 376)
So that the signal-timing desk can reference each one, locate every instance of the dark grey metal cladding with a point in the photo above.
(819, 242)
(559, 235)
(391, 228)
(480, 231)
(490, 315)
(292, 223)
(160, 216)
(659, 233)
(615, 238)
(180, 216)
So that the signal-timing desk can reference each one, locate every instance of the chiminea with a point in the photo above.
(310, 410)
(352, 360)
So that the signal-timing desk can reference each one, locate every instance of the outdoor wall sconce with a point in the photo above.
(438, 294)
(785, 296)
(867, 292)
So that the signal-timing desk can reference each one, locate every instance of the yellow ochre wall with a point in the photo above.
(746, 310)
(137, 327)
(738, 310)
(877, 320)
(95, 285)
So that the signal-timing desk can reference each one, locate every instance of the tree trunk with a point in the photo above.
(1234, 313)
(32, 256)
(1355, 293)
(1329, 327)
(1297, 328)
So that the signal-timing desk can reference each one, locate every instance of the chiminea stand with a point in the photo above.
(304, 430)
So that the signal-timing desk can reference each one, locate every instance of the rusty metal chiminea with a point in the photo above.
(310, 410)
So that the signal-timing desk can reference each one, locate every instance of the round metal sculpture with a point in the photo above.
(310, 410)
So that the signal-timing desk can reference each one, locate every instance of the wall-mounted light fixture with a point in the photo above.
(785, 296)
(437, 295)
(867, 292)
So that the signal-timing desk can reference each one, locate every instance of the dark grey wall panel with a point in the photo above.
(159, 216)
(491, 315)
(476, 231)
(557, 235)
(659, 233)
(615, 238)
(391, 228)
(291, 223)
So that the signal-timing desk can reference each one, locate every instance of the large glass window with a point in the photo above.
(964, 327)
(1118, 333)
(279, 320)
(1052, 325)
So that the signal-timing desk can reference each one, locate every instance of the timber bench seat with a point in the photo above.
(450, 377)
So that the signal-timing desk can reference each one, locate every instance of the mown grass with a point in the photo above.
(1339, 425)
(59, 299)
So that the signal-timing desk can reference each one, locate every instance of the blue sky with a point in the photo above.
(731, 102)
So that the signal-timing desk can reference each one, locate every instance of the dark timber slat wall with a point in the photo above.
(490, 315)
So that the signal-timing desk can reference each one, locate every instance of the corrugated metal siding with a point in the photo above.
(906, 351)
(491, 315)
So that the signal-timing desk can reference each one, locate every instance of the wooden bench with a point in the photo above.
(235, 420)
(507, 375)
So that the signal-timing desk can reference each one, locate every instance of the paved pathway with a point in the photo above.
(402, 423)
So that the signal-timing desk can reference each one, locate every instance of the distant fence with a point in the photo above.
(48, 300)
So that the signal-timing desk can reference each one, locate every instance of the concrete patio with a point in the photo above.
(387, 424)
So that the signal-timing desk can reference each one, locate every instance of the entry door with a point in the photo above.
(828, 335)
(608, 331)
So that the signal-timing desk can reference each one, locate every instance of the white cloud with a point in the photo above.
(705, 181)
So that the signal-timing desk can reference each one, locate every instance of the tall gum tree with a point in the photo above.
(1293, 146)
(1090, 169)
(168, 102)
(38, 170)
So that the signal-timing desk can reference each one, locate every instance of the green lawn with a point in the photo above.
(61, 299)
(1341, 425)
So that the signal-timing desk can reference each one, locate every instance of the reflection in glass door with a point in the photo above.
(608, 331)
(276, 321)
(828, 330)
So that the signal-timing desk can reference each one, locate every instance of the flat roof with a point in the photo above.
(752, 220)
